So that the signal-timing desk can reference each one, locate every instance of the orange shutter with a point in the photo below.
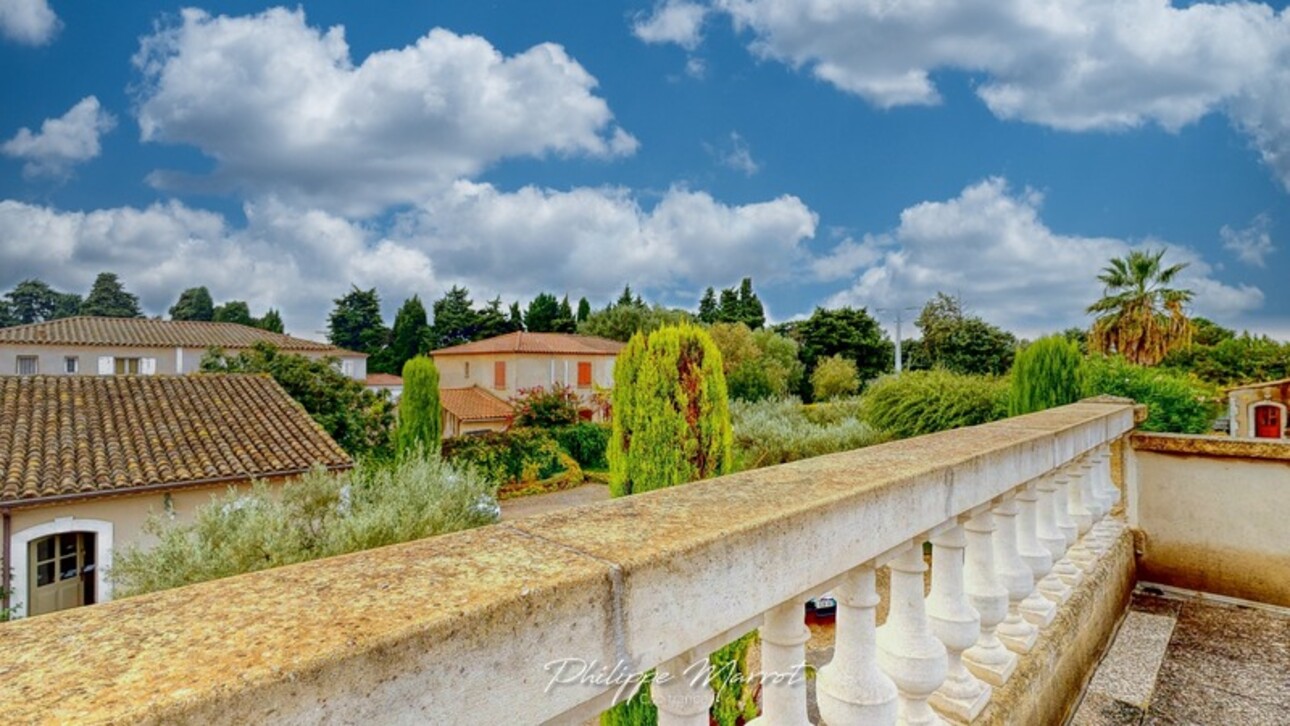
(584, 375)
(499, 374)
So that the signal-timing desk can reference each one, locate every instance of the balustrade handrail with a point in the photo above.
(474, 626)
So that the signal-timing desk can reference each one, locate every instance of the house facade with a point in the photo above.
(1259, 410)
(84, 461)
(385, 383)
(504, 365)
(93, 346)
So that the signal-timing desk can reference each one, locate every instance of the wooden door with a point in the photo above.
(59, 566)
(1267, 422)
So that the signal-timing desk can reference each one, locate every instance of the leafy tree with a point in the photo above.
(358, 419)
(33, 301)
(272, 321)
(671, 417)
(233, 311)
(1176, 402)
(195, 303)
(1235, 361)
(708, 307)
(517, 317)
(849, 332)
(355, 323)
(757, 365)
(108, 298)
(493, 320)
(621, 322)
(418, 430)
(1048, 373)
(409, 338)
(1207, 332)
(1078, 336)
(584, 310)
(1139, 316)
(959, 342)
(546, 408)
(322, 514)
(834, 377)
(7, 317)
(455, 319)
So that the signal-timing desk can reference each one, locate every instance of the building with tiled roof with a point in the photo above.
(467, 410)
(105, 346)
(385, 383)
(84, 459)
(505, 365)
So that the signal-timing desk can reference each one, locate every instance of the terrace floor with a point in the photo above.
(1192, 661)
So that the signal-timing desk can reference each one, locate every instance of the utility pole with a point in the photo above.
(900, 363)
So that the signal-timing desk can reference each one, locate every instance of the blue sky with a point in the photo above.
(280, 154)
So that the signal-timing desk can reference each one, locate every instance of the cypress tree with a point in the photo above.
(1048, 373)
(584, 310)
(708, 307)
(419, 415)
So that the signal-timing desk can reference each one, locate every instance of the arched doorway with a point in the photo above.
(60, 564)
(1269, 420)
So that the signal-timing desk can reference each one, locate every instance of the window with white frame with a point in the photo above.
(127, 366)
(71, 364)
(28, 365)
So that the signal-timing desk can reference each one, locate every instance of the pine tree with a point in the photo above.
(543, 314)
(419, 414)
(455, 319)
(708, 307)
(626, 298)
(493, 321)
(517, 317)
(729, 310)
(410, 336)
(108, 298)
(193, 304)
(34, 301)
(1047, 373)
(584, 310)
(355, 323)
(751, 312)
(564, 321)
(272, 321)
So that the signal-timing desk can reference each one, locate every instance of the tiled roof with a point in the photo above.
(69, 435)
(537, 343)
(474, 404)
(383, 379)
(1265, 384)
(147, 333)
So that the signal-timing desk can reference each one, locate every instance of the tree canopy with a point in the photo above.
(34, 301)
(108, 298)
(849, 332)
(355, 323)
(195, 303)
(960, 342)
(1139, 316)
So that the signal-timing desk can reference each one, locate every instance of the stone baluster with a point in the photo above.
(908, 652)
(681, 691)
(783, 665)
(958, 626)
(1109, 527)
(1092, 496)
(989, 660)
(1077, 503)
(1036, 555)
(851, 688)
(1052, 500)
(1062, 505)
(1016, 632)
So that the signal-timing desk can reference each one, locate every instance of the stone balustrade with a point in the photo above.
(548, 619)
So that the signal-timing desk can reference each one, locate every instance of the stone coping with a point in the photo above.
(408, 632)
(1218, 446)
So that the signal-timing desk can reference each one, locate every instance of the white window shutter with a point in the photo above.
(347, 367)
(107, 365)
(148, 366)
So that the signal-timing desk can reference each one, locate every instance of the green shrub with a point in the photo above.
(1047, 373)
(545, 408)
(778, 431)
(923, 402)
(420, 418)
(835, 376)
(1176, 402)
(671, 417)
(320, 515)
(586, 442)
(505, 457)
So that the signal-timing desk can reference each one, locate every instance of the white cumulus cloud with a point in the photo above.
(672, 21)
(990, 246)
(31, 22)
(283, 109)
(61, 142)
(1252, 244)
(1078, 66)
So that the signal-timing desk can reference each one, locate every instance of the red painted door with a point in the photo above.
(1267, 422)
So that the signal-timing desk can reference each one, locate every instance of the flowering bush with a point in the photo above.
(541, 407)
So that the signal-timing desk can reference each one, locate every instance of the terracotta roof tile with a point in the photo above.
(537, 343)
(474, 404)
(147, 333)
(64, 435)
(383, 379)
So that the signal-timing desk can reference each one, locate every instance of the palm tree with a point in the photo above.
(1139, 316)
